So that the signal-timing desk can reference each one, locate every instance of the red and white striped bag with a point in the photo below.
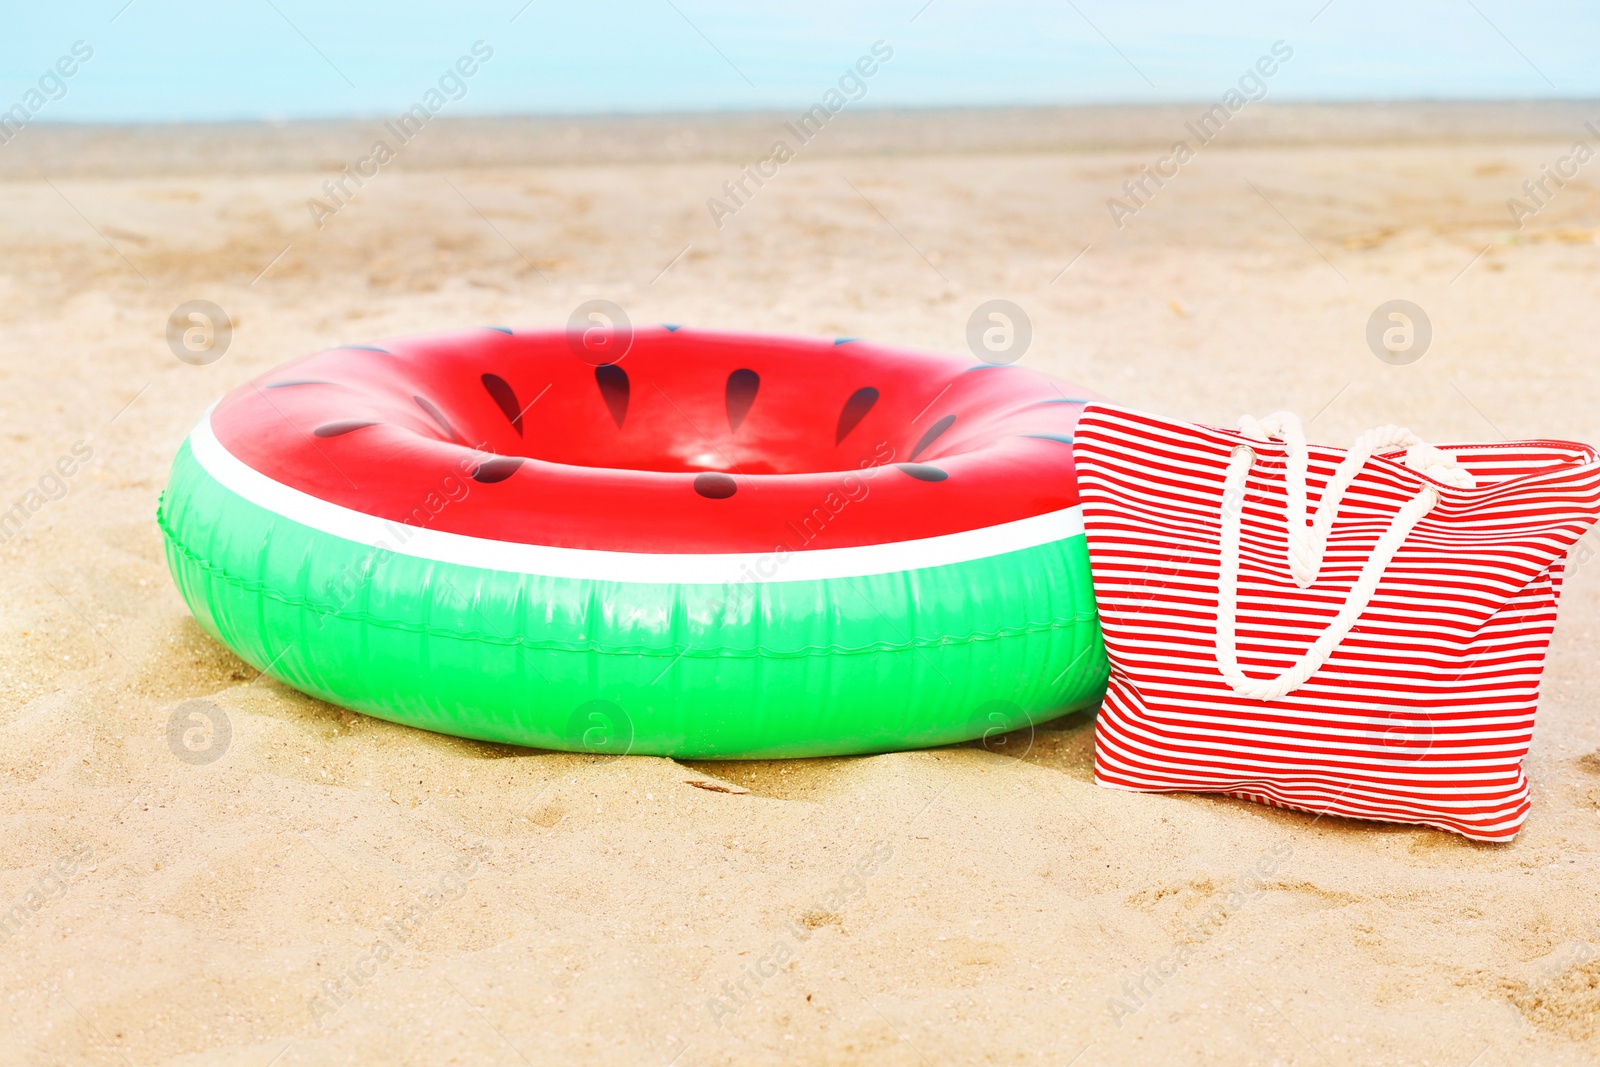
(1381, 662)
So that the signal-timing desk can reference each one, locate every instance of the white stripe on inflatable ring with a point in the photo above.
(649, 568)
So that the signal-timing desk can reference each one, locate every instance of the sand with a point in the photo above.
(330, 888)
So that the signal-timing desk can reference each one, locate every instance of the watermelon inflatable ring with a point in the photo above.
(709, 545)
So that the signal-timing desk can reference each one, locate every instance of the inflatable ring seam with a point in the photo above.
(674, 650)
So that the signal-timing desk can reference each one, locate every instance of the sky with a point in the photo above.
(221, 60)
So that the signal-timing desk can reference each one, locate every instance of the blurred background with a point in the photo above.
(274, 60)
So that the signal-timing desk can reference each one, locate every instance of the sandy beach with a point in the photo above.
(313, 886)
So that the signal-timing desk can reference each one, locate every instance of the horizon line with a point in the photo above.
(271, 120)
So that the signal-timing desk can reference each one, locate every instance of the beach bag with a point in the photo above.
(1355, 633)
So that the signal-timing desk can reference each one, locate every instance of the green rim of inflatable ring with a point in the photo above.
(830, 666)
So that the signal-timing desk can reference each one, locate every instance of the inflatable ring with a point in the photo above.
(709, 545)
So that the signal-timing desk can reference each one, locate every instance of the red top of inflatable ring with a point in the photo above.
(694, 441)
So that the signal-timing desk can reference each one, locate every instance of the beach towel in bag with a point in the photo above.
(1356, 632)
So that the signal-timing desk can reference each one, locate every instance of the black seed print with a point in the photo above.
(922, 472)
(335, 429)
(499, 329)
(715, 486)
(297, 381)
(932, 435)
(855, 409)
(505, 398)
(741, 393)
(1061, 438)
(437, 416)
(364, 348)
(496, 470)
(613, 382)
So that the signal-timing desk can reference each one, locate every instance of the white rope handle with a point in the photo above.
(1308, 543)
